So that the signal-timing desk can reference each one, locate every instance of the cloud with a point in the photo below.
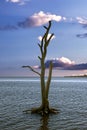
(21, 2)
(82, 66)
(39, 19)
(84, 35)
(60, 63)
(36, 19)
(64, 63)
(81, 20)
(14, 1)
(8, 27)
(40, 37)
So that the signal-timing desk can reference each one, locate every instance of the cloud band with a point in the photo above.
(64, 63)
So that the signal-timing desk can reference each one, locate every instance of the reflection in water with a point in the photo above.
(44, 123)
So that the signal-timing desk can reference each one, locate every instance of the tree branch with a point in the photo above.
(47, 31)
(39, 58)
(45, 27)
(32, 69)
(49, 79)
(48, 41)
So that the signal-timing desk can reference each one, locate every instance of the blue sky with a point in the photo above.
(21, 23)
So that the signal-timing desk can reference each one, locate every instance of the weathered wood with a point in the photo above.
(44, 108)
(48, 80)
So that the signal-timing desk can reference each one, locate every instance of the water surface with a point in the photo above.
(69, 95)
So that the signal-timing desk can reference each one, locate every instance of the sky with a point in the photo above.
(21, 28)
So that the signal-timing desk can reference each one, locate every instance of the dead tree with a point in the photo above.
(45, 85)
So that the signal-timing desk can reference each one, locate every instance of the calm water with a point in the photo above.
(69, 95)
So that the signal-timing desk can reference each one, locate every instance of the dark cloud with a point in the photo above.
(84, 35)
(77, 67)
(57, 64)
(60, 63)
(29, 22)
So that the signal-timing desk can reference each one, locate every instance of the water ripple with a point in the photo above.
(69, 97)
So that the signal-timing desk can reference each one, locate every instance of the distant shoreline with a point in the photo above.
(76, 76)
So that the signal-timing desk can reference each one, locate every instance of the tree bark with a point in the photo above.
(44, 108)
(43, 82)
(49, 80)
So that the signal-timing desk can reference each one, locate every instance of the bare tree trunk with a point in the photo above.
(44, 108)
(49, 80)
(43, 83)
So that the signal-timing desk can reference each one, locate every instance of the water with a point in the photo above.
(69, 95)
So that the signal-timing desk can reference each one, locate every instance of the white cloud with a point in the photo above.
(14, 1)
(82, 20)
(43, 18)
(65, 60)
(40, 37)
(21, 2)
(39, 19)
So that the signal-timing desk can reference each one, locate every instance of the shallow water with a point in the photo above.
(69, 95)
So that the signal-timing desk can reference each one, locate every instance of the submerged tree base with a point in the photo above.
(42, 111)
